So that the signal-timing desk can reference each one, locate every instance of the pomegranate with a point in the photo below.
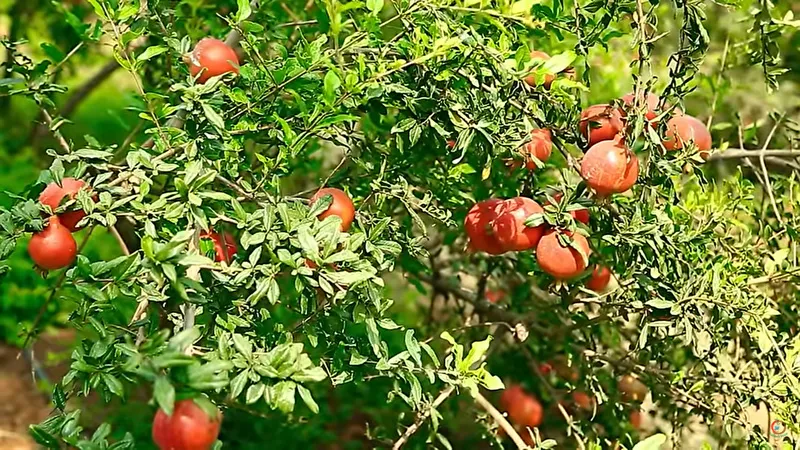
(54, 247)
(224, 245)
(610, 167)
(478, 226)
(53, 194)
(600, 278)
(683, 130)
(509, 227)
(523, 408)
(341, 206)
(188, 428)
(600, 123)
(652, 106)
(632, 388)
(548, 79)
(562, 262)
(539, 147)
(210, 58)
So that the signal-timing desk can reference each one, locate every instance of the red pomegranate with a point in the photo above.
(188, 428)
(53, 194)
(652, 105)
(609, 167)
(599, 279)
(478, 226)
(210, 58)
(683, 130)
(548, 79)
(224, 245)
(509, 227)
(539, 147)
(562, 262)
(600, 123)
(54, 247)
(523, 409)
(341, 206)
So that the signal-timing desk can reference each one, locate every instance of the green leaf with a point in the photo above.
(44, 438)
(213, 116)
(349, 278)
(113, 384)
(305, 394)
(164, 393)
(238, 383)
(284, 396)
(331, 84)
(254, 393)
(413, 347)
(307, 242)
(375, 6)
(243, 345)
(244, 10)
(476, 352)
(654, 442)
(151, 52)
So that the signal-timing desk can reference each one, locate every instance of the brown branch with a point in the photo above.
(80, 94)
(736, 153)
(501, 420)
(422, 417)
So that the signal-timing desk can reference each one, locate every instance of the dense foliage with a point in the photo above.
(315, 333)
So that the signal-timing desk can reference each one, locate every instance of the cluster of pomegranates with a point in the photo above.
(54, 247)
(525, 411)
(496, 226)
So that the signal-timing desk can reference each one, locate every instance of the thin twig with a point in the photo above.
(422, 417)
(48, 120)
(768, 183)
(501, 420)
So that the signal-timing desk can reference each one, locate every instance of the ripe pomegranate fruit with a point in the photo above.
(523, 408)
(582, 400)
(341, 206)
(562, 262)
(609, 167)
(685, 129)
(636, 419)
(652, 105)
(509, 226)
(548, 79)
(210, 58)
(478, 226)
(632, 389)
(494, 295)
(600, 123)
(224, 245)
(53, 194)
(599, 279)
(540, 147)
(188, 428)
(54, 247)
(581, 215)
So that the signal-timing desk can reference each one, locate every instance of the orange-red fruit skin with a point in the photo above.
(224, 245)
(600, 123)
(600, 278)
(478, 226)
(560, 262)
(188, 428)
(548, 79)
(540, 147)
(509, 227)
(523, 409)
(341, 206)
(53, 194)
(609, 167)
(54, 247)
(652, 105)
(632, 388)
(683, 129)
(212, 57)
